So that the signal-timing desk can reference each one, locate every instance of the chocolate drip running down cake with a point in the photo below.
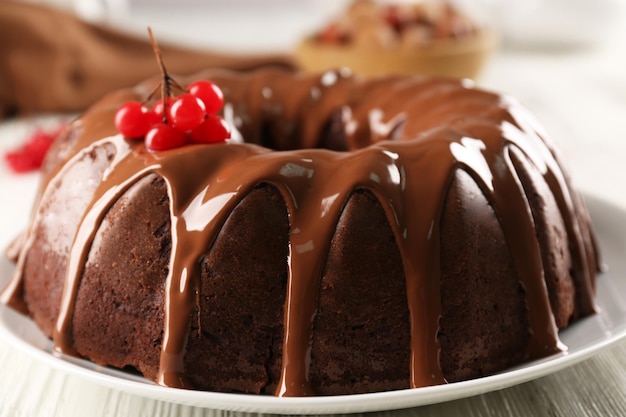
(357, 235)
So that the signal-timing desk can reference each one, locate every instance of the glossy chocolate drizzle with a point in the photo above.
(404, 140)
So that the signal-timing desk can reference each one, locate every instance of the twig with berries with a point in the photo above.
(171, 122)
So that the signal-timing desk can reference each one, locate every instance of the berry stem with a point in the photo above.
(183, 118)
(166, 90)
(152, 93)
(168, 82)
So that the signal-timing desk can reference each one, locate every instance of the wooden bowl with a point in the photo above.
(459, 57)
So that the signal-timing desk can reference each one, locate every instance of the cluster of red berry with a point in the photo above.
(30, 155)
(175, 121)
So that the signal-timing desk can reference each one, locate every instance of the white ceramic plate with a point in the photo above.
(584, 338)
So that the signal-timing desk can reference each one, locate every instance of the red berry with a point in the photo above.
(30, 155)
(21, 162)
(132, 120)
(214, 129)
(157, 108)
(187, 112)
(163, 137)
(154, 118)
(209, 93)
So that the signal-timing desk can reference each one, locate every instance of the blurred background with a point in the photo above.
(277, 24)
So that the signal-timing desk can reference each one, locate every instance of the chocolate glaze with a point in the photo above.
(406, 138)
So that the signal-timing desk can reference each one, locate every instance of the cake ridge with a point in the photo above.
(549, 165)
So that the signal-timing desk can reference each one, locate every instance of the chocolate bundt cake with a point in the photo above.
(355, 235)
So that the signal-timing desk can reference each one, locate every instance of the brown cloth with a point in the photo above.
(51, 61)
